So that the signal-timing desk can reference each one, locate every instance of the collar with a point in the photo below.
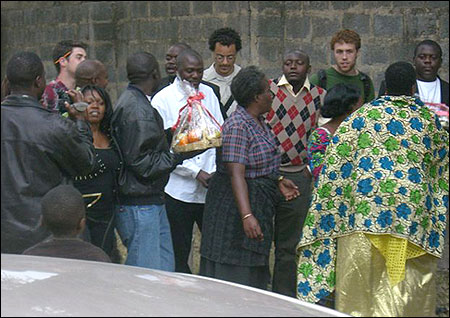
(210, 74)
(284, 82)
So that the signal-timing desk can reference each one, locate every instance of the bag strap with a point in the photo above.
(366, 83)
(322, 74)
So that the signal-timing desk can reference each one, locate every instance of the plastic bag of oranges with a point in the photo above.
(196, 128)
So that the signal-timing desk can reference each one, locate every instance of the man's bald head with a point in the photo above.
(296, 52)
(188, 54)
(91, 72)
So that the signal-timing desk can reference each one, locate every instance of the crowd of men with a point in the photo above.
(158, 194)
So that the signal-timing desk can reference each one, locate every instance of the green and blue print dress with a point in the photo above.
(385, 172)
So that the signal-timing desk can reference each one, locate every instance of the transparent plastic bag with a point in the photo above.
(196, 128)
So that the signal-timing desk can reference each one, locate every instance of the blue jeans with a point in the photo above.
(145, 231)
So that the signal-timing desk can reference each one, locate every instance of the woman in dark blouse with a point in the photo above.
(100, 214)
(237, 220)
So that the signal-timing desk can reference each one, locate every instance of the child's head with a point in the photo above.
(63, 211)
(341, 99)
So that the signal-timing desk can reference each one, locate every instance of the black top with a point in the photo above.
(68, 248)
(103, 179)
(444, 90)
(138, 130)
(40, 150)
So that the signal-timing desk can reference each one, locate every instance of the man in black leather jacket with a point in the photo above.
(40, 150)
(147, 162)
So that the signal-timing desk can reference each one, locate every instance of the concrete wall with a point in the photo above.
(114, 29)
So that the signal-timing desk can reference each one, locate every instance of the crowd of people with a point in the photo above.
(351, 189)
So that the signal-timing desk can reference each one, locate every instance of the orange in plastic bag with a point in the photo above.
(196, 128)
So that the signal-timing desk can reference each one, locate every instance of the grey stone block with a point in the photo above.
(343, 5)
(376, 4)
(229, 6)
(212, 24)
(408, 4)
(315, 5)
(101, 11)
(179, 8)
(298, 27)
(120, 10)
(202, 7)
(104, 53)
(357, 22)
(159, 8)
(389, 26)
(374, 53)
(139, 9)
(270, 26)
(325, 27)
(104, 31)
(270, 51)
(190, 28)
(443, 26)
(421, 25)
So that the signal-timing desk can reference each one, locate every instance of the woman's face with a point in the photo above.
(265, 98)
(96, 109)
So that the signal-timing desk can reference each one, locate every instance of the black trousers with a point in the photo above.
(289, 219)
(182, 216)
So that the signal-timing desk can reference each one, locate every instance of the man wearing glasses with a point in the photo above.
(66, 57)
(224, 43)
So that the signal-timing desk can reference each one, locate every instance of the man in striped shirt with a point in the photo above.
(293, 117)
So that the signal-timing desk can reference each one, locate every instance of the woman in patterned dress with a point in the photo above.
(376, 225)
(341, 100)
(240, 203)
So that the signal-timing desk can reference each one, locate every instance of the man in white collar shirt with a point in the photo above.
(225, 43)
(188, 183)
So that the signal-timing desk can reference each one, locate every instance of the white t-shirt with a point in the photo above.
(182, 184)
(429, 92)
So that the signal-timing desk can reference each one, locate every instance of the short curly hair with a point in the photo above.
(346, 36)
(246, 85)
(225, 36)
(340, 100)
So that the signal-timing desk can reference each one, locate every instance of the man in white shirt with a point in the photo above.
(187, 186)
(225, 43)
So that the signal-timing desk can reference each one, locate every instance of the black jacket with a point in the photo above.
(147, 162)
(40, 150)
(444, 91)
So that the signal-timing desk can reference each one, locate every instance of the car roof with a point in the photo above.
(46, 286)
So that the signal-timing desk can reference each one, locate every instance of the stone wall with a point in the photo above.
(114, 29)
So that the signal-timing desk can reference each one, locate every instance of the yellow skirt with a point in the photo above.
(363, 287)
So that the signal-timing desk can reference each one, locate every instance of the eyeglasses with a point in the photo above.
(63, 57)
(221, 58)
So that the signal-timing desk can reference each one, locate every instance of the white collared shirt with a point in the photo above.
(224, 83)
(182, 184)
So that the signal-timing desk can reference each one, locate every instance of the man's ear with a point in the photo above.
(81, 224)
(39, 81)
(414, 89)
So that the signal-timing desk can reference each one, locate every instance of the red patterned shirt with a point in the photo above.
(292, 119)
(50, 98)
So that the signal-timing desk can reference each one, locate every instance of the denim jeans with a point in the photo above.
(145, 231)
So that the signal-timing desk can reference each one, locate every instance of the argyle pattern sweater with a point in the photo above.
(292, 120)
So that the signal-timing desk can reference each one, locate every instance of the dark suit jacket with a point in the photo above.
(444, 90)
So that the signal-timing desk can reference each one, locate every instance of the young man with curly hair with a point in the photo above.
(345, 45)
(225, 43)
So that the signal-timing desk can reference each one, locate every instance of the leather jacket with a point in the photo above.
(138, 129)
(40, 150)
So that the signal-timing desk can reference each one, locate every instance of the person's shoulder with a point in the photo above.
(165, 92)
(209, 73)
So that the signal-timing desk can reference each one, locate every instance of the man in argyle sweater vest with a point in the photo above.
(294, 116)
